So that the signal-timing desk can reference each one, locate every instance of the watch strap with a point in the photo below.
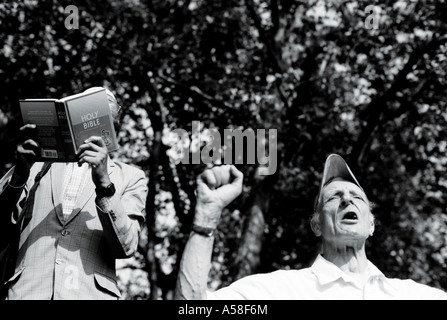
(206, 232)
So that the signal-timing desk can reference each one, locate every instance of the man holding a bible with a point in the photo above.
(75, 222)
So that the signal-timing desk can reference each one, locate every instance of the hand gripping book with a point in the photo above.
(62, 125)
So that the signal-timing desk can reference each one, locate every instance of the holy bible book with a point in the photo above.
(62, 125)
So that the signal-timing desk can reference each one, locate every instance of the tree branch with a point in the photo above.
(378, 106)
(195, 91)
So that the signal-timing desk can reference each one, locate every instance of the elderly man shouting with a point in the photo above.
(342, 219)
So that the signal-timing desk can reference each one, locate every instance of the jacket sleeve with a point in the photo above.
(12, 202)
(12, 199)
(123, 221)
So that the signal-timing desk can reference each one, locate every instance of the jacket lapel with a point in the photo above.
(88, 191)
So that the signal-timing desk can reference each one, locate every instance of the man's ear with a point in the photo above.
(372, 225)
(371, 228)
(315, 225)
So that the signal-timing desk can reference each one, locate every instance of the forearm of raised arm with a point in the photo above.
(192, 280)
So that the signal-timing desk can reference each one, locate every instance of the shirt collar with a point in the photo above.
(327, 272)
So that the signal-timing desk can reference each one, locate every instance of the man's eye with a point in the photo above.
(333, 198)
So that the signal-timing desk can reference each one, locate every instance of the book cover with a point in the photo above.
(89, 115)
(63, 125)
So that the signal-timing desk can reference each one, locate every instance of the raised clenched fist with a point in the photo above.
(216, 188)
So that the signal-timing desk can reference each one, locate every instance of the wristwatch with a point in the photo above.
(105, 192)
(206, 232)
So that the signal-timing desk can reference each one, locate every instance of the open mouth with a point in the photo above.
(349, 216)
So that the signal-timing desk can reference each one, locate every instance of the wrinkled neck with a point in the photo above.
(349, 258)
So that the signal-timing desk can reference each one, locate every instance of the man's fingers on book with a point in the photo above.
(28, 126)
(26, 152)
(88, 146)
(92, 161)
(29, 145)
(88, 153)
(82, 148)
(96, 140)
(94, 155)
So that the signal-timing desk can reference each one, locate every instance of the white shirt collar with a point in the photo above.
(327, 272)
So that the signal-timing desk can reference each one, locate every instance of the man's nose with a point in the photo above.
(346, 199)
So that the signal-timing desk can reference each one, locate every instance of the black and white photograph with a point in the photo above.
(192, 150)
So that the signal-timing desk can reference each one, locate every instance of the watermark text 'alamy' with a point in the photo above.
(232, 147)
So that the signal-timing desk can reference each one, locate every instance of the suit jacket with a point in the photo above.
(74, 258)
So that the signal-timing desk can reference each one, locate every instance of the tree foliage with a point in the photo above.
(312, 70)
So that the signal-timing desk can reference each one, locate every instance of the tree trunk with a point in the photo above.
(248, 256)
(248, 259)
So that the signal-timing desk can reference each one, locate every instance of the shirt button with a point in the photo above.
(58, 261)
(65, 232)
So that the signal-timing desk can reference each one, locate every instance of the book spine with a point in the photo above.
(75, 142)
(66, 132)
(113, 143)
